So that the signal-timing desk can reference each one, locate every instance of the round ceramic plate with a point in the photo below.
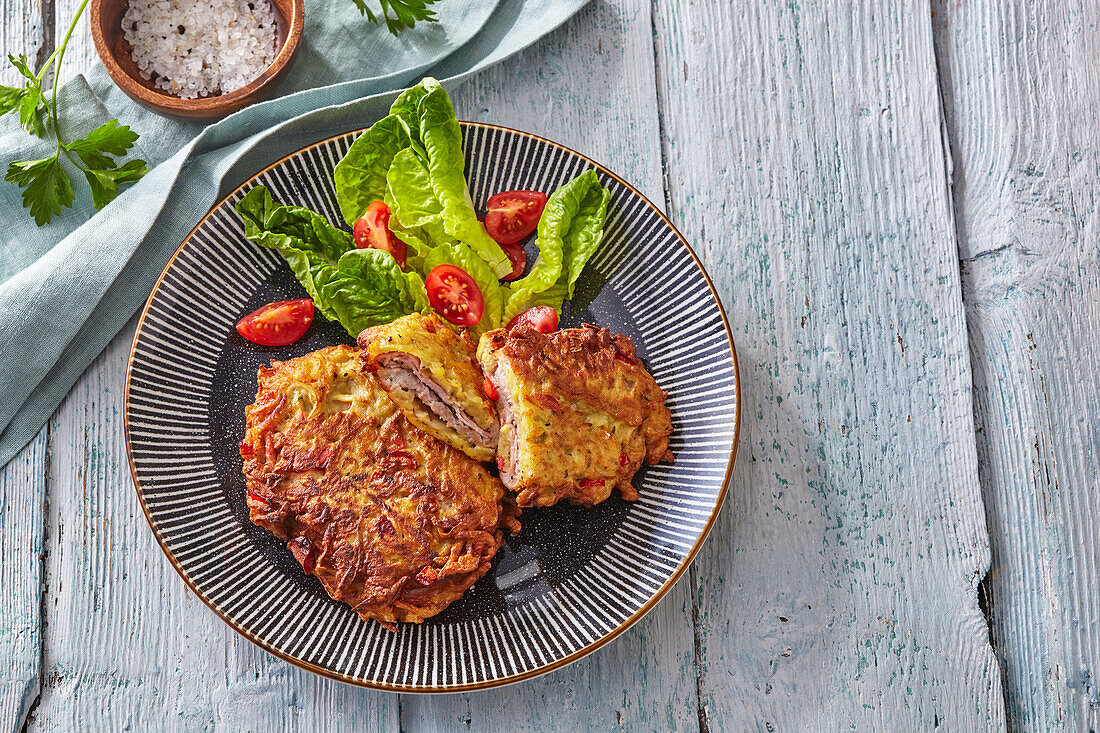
(569, 581)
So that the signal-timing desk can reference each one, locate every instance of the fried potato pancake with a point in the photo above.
(432, 374)
(580, 414)
(392, 521)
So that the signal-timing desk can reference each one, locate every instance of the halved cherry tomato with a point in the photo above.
(455, 295)
(542, 318)
(372, 231)
(277, 324)
(490, 390)
(513, 215)
(518, 256)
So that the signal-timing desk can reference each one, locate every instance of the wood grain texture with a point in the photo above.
(21, 32)
(23, 480)
(805, 161)
(22, 489)
(127, 646)
(1021, 89)
(589, 86)
(80, 55)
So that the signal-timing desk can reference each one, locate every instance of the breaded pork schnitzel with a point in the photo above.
(392, 521)
(580, 414)
(432, 374)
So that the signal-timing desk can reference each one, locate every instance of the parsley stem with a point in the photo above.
(42, 72)
(60, 53)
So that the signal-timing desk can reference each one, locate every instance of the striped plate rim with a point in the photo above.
(584, 651)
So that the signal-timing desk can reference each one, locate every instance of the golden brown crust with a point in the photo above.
(585, 413)
(450, 360)
(390, 520)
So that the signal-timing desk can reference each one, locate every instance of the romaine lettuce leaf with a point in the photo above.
(367, 288)
(462, 257)
(305, 239)
(586, 230)
(290, 226)
(554, 296)
(360, 176)
(407, 105)
(569, 231)
(356, 287)
(442, 138)
(413, 200)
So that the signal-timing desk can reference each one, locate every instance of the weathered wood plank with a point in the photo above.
(126, 644)
(803, 145)
(1021, 90)
(23, 480)
(22, 495)
(590, 86)
(21, 32)
(80, 54)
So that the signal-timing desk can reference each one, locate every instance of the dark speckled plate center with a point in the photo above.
(569, 581)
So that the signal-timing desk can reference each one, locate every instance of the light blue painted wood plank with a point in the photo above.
(589, 86)
(22, 494)
(20, 33)
(1021, 90)
(805, 161)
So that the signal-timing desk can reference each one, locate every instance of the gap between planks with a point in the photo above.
(692, 578)
(949, 181)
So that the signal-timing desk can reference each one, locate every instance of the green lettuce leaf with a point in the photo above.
(305, 238)
(407, 106)
(409, 188)
(442, 138)
(355, 287)
(291, 226)
(416, 241)
(367, 288)
(585, 231)
(569, 231)
(360, 176)
(462, 257)
(554, 296)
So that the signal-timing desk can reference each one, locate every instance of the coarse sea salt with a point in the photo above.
(198, 48)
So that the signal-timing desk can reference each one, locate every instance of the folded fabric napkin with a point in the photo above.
(67, 288)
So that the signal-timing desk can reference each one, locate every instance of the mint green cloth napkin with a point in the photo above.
(67, 288)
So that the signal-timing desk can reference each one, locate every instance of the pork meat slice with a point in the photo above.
(398, 370)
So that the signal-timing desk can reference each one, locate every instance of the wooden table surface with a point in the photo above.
(898, 203)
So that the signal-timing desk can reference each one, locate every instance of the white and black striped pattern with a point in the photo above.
(569, 581)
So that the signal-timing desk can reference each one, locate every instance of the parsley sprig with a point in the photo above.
(45, 183)
(405, 13)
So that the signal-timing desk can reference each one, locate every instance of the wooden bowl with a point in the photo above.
(115, 53)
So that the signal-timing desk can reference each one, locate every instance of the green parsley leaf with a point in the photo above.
(10, 98)
(109, 138)
(105, 183)
(46, 186)
(21, 63)
(406, 12)
(32, 110)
